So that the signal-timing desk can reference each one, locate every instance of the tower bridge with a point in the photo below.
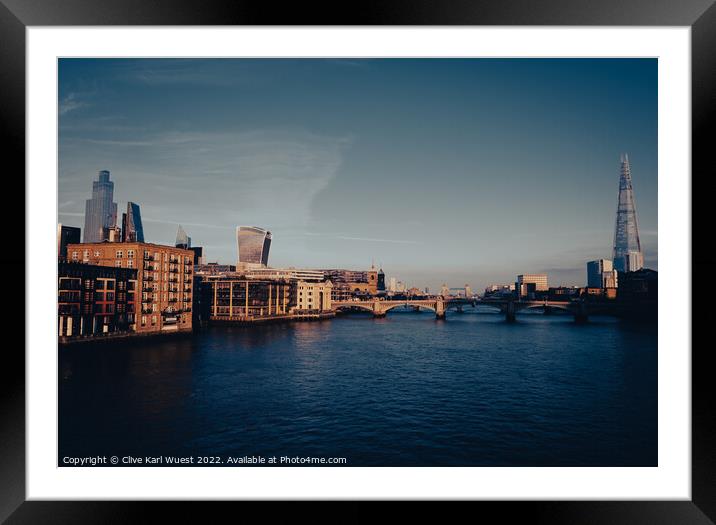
(579, 308)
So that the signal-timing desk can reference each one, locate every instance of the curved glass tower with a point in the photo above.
(253, 245)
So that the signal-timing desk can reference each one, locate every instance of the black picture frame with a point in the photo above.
(700, 15)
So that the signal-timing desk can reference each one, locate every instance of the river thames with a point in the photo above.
(405, 390)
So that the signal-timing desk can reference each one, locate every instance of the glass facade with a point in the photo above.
(627, 248)
(100, 210)
(253, 245)
(132, 230)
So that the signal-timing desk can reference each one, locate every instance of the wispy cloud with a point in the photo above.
(71, 102)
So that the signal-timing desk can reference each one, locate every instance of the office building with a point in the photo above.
(132, 230)
(253, 244)
(538, 279)
(182, 240)
(610, 279)
(164, 280)
(595, 270)
(100, 210)
(66, 235)
(628, 256)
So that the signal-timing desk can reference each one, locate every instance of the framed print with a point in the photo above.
(276, 257)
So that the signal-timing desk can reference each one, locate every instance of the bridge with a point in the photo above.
(579, 308)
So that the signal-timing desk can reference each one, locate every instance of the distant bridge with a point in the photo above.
(579, 308)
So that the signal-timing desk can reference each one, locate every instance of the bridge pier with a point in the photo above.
(580, 313)
(439, 309)
(378, 315)
(459, 309)
(510, 312)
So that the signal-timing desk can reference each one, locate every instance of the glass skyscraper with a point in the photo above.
(253, 244)
(183, 240)
(100, 210)
(132, 230)
(628, 256)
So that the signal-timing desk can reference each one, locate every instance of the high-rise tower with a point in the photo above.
(627, 248)
(100, 211)
(132, 230)
(253, 245)
(183, 240)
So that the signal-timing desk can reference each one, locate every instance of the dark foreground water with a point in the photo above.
(404, 390)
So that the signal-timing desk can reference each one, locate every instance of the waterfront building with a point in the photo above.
(100, 210)
(468, 290)
(628, 256)
(444, 290)
(94, 300)
(595, 271)
(381, 281)
(239, 299)
(538, 279)
(253, 245)
(132, 229)
(312, 297)
(164, 277)
(66, 235)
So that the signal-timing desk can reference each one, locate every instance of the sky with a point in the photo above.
(456, 171)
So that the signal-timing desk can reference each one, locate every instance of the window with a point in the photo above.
(130, 254)
(130, 264)
(119, 254)
(74, 256)
(144, 320)
(118, 264)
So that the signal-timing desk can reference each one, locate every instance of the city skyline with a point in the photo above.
(401, 162)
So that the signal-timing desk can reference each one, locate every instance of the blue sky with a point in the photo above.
(440, 170)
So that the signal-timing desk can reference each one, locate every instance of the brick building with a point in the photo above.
(164, 280)
(95, 300)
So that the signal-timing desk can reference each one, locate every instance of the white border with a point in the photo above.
(670, 480)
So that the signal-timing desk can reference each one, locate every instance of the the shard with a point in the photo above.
(628, 256)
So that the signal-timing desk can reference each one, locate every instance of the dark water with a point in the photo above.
(404, 390)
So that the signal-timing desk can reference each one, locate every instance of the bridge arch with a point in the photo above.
(393, 306)
(356, 306)
(562, 307)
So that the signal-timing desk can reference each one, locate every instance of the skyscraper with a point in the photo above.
(66, 235)
(132, 230)
(253, 245)
(100, 211)
(628, 256)
(183, 240)
(595, 269)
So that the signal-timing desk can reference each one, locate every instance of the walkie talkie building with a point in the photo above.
(628, 256)
(253, 245)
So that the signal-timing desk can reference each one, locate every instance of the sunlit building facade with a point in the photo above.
(253, 244)
(100, 210)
